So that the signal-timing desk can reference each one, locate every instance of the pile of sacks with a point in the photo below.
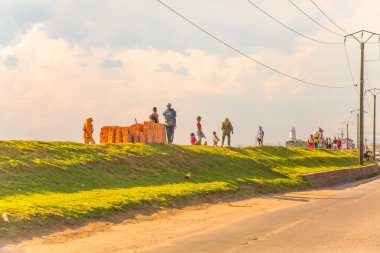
(148, 132)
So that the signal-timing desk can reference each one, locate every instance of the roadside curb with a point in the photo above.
(337, 177)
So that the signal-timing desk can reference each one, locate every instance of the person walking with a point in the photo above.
(88, 130)
(260, 136)
(227, 130)
(171, 122)
(154, 116)
(200, 133)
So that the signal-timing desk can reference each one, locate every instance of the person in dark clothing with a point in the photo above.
(154, 116)
(171, 122)
(227, 129)
(368, 155)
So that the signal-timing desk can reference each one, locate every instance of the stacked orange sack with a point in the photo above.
(138, 133)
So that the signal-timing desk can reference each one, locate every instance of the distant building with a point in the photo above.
(292, 140)
(292, 134)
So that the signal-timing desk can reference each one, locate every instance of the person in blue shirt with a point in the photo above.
(171, 122)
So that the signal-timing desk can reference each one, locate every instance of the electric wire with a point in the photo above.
(291, 29)
(352, 76)
(345, 48)
(350, 70)
(349, 64)
(346, 34)
(312, 19)
(246, 55)
(324, 14)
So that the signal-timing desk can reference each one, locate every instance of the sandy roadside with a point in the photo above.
(165, 226)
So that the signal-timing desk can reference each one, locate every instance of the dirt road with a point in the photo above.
(183, 230)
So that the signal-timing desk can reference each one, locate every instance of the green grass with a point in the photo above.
(44, 181)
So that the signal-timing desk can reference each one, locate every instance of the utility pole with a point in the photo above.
(362, 41)
(347, 122)
(374, 92)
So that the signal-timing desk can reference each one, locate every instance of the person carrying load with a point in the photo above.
(88, 130)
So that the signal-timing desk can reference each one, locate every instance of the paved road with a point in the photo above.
(345, 222)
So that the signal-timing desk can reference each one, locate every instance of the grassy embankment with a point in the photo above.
(51, 181)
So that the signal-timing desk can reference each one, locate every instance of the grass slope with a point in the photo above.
(42, 181)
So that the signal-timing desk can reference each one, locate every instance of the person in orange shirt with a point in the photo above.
(88, 129)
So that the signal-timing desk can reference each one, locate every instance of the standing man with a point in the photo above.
(88, 129)
(227, 129)
(260, 136)
(171, 122)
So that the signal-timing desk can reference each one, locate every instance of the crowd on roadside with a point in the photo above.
(170, 116)
(316, 140)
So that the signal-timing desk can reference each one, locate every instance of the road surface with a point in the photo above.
(345, 222)
(339, 219)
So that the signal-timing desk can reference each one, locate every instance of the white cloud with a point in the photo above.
(58, 78)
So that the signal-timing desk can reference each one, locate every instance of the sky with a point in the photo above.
(62, 61)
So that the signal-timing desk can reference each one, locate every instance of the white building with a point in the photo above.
(292, 134)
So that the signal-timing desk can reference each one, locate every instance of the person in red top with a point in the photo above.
(200, 133)
(339, 143)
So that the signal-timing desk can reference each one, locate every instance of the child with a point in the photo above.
(215, 139)
(193, 140)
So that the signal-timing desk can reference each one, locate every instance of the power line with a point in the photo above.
(291, 29)
(349, 68)
(362, 43)
(348, 64)
(324, 14)
(345, 48)
(307, 15)
(246, 55)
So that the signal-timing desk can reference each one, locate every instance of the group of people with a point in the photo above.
(199, 138)
(317, 141)
(227, 130)
(170, 116)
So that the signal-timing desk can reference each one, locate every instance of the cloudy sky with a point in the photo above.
(64, 60)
